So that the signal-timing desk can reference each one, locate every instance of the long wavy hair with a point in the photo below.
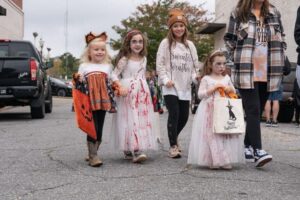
(243, 9)
(208, 63)
(86, 58)
(171, 37)
(125, 50)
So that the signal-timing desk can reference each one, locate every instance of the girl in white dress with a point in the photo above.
(206, 148)
(133, 124)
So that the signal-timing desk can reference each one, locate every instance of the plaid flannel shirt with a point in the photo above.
(240, 42)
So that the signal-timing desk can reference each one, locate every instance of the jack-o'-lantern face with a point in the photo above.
(86, 113)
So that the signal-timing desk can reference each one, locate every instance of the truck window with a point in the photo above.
(20, 50)
(3, 51)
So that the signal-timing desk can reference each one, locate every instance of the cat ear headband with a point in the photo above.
(90, 37)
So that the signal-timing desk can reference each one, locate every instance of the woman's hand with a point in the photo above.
(169, 84)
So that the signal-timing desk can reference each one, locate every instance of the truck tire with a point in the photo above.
(61, 93)
(37, 107)
(48, 100)
(286, 112)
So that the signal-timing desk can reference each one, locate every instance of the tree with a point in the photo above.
(69, 64)
(64, 64)
(151, 19)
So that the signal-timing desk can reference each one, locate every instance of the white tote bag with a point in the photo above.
(228, 116)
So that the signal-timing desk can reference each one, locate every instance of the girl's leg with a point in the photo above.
(184, 107)
(93, 145)
(172, 104)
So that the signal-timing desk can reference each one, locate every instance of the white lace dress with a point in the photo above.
(207, 148)
(133, 124)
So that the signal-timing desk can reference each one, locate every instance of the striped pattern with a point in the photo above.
(240, 43)
(98, 93)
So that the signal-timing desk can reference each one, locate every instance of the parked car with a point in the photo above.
(23, 78)
(286, 110)
(60, 88)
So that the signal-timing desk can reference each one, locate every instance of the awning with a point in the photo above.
(2, 11)
(211, 28)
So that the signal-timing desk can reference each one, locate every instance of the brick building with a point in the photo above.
(288, 10)
(11, 19)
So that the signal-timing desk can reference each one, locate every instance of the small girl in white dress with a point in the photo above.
(206, 148)
(133, 124)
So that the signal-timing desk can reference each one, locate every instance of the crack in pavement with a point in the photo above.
(237, 179)
(59, 161)
(43, 189)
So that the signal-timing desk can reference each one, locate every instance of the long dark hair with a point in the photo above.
(243, 9)
(125, 50)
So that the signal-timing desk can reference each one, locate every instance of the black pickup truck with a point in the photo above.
(23, 78)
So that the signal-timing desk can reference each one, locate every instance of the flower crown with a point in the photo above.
(90, 37)
(133, 32)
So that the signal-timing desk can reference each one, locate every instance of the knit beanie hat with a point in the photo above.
(176, 15)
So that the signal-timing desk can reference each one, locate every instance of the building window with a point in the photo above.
(2, 11)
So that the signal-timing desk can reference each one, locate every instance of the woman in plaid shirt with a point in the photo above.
(255, 42)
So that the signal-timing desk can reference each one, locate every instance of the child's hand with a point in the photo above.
(123, 91)
(228, 89)
(169, 84)
(80, 78)
(218, 85)
(290, 99)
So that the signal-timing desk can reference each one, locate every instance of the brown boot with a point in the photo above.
(94, 160)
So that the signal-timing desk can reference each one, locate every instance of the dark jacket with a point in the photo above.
(296, 94)
(297, 34)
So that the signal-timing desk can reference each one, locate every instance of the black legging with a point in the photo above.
(178, 116)
(99, 116)
(297, 108)
(254, 101)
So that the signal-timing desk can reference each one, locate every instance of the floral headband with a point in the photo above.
(133, 32)
(220, 50)
(90, 37)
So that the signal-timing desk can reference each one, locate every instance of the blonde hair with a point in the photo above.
(85, 57)
(207, 65)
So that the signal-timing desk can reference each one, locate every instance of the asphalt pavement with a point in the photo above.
(44, 159)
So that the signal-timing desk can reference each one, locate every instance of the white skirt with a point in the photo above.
(209, 149)
(134, 125)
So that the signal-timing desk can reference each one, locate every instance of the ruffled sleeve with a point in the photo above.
(115, 75)
(202, 91)
(162, 62)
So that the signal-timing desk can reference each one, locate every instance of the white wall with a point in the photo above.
(287, 8)
(11, 25)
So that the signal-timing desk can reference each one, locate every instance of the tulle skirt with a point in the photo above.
(209, 149)
(133, 125)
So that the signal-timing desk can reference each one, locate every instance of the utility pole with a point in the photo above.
(66, 35)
